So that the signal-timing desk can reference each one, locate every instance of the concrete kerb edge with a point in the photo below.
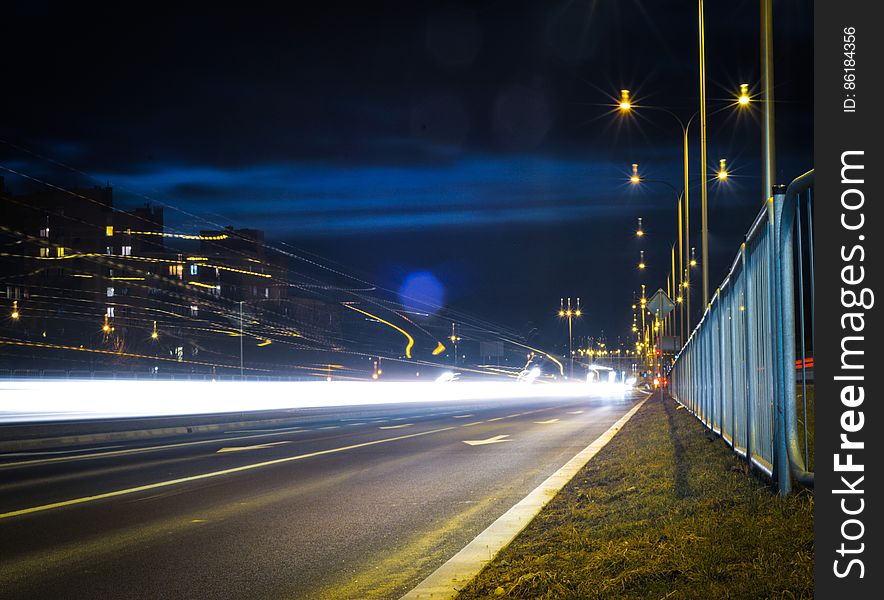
(447, 581)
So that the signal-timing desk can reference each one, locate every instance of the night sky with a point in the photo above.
(475, 142)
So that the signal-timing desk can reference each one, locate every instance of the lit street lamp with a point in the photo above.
(722, 170)
(567, 312)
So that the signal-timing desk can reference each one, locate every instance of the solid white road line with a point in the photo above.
(445, 582)
(171, 482)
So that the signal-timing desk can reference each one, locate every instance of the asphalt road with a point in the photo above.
(359, 502)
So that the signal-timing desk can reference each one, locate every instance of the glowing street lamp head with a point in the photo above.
(625, 103)
(561, 313)
(722, 171)
(15, 314)
(634, 179)
(577, 312)
(640, 231)
(105, 328)
(743, 99)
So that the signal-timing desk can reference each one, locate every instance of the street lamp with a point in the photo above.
(722, 170)
(15, 314)
(639, 232)
(454, 338)
(625, 103)
(635, 179)
(641, 260)
(743, 99)
(566, 311)
(154, 334)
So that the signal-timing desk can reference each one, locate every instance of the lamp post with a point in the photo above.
(567, 312)
(704, 212)
(240, 341)
(454, 338)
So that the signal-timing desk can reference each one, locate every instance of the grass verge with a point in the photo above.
(665, 510)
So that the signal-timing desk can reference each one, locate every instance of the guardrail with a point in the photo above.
(736, 372)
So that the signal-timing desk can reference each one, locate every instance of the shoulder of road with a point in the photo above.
(665, 510)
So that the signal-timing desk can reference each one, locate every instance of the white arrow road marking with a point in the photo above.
(547, 422)
(575, 412)
(395, 426)
(492, 440)
(256, 447)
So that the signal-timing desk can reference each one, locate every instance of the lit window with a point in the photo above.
(126, 251)
(44, 233)
(194, 310)
(194, 269)
(110, 292)
(176, 271)
(109, 230)
(60, 252)
(110, 312)
(44, 252)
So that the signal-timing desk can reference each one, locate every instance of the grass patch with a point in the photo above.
(665, 510)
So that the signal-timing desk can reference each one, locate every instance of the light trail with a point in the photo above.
(38, 401)
(396, 327)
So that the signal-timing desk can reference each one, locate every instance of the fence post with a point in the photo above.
(778, 256)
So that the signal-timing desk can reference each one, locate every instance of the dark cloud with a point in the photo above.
(483, 129)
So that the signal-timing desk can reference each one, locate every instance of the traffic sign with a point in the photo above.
(660, 305)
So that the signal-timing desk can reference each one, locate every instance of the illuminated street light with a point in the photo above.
(722, 170)
(693, 262)
(567, 312)
(154, 334)
(635, 179)
(15, 314)
(625, 102)
(641, 261)
(639, 232)
(744, 98)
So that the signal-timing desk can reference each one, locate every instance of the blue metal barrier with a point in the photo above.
(736, 372)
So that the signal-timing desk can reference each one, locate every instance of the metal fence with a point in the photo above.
(737, 371)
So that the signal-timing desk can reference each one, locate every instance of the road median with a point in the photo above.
(665, 510)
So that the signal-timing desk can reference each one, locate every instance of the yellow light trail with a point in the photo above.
(180, 236)
(9, 342)
(397, 328)
(202, 285)
(439, 349)
(233, 270)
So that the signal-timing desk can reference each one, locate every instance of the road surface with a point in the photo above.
(360, 502)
